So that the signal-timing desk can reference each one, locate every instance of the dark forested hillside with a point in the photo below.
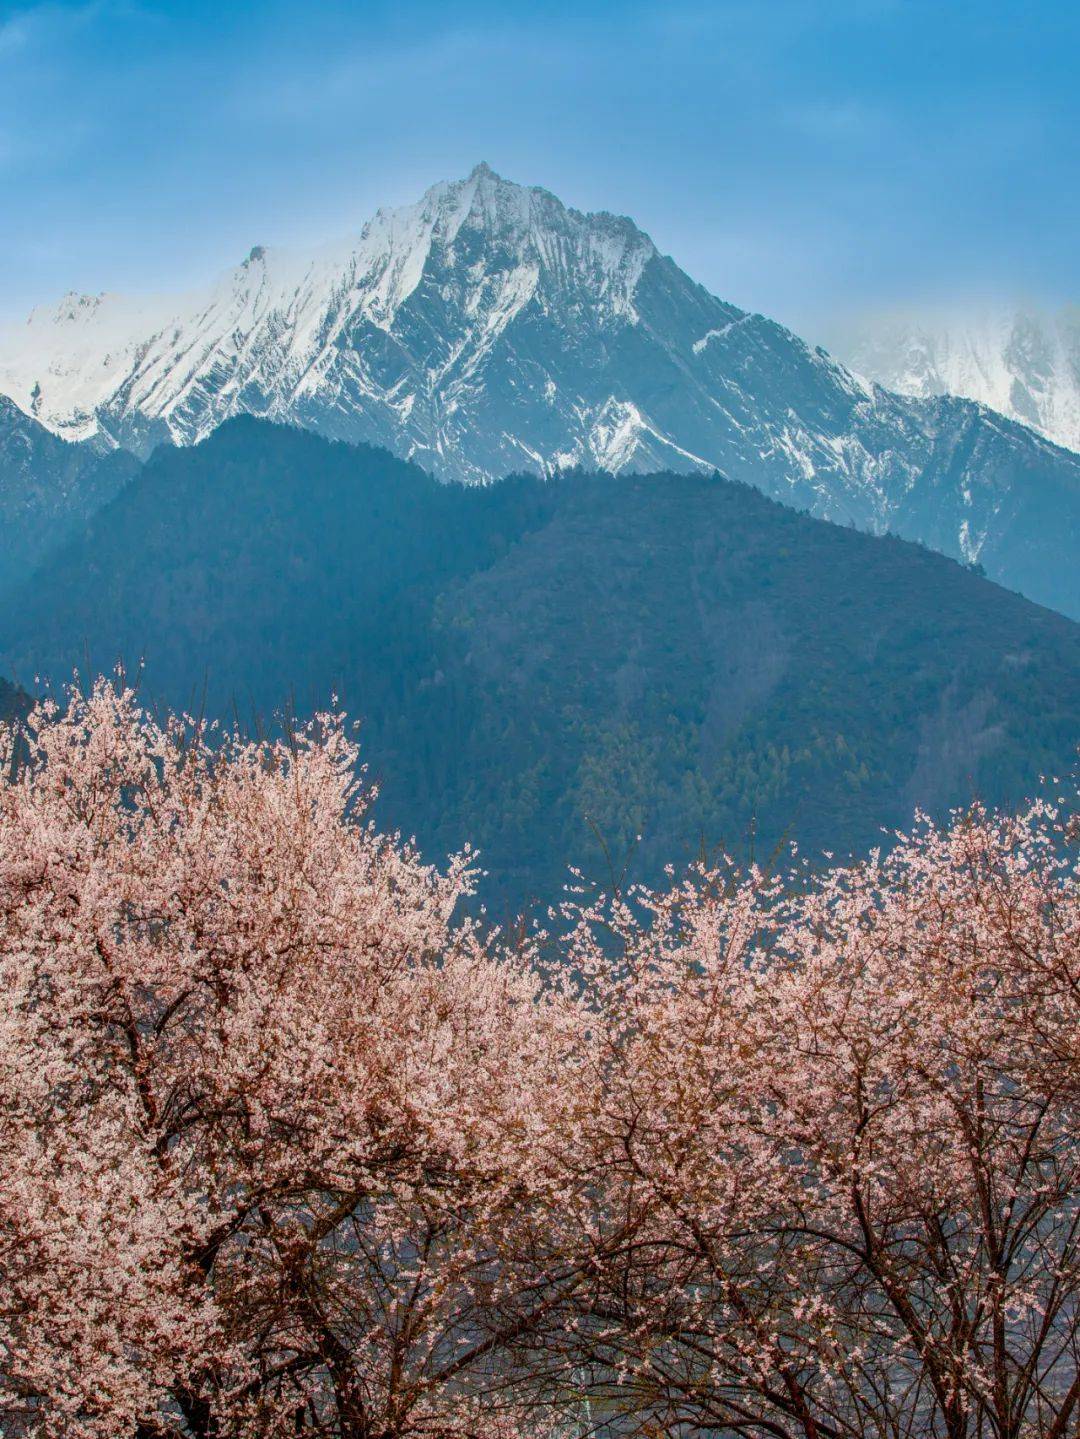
(536, 664)
(47, 488)
(13, 702)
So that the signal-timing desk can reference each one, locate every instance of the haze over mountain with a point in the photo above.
(539, 663)
(1021, 361)
(488, 329)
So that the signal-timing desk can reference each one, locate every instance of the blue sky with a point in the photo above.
(801, 158)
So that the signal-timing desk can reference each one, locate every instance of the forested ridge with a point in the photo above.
(551, 669)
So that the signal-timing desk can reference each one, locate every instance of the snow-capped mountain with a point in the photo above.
(1022, 362)
(389, 337)
(490, 328)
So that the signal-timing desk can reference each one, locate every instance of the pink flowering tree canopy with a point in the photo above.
(288, 1147)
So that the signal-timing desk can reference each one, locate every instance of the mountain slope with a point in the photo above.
(1019, 361)
(14, 703)
(47, 488)
(489, 329)
(673, 656)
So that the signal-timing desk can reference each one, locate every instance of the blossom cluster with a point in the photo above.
(288, 1146)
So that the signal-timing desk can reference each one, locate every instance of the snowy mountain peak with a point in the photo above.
(527, 219)
(285, 327)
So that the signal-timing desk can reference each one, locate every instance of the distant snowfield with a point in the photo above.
(1019, 360)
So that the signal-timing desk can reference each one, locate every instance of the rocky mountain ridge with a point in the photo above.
(489, 328)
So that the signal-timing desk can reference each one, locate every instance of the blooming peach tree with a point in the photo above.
(840, 1120)
(264, 1101)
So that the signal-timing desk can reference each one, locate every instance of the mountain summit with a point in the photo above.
(386, 337)
(490, 328)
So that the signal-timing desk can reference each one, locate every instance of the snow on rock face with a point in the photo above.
(284, 329)
(489, 328)
(1021, 362)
